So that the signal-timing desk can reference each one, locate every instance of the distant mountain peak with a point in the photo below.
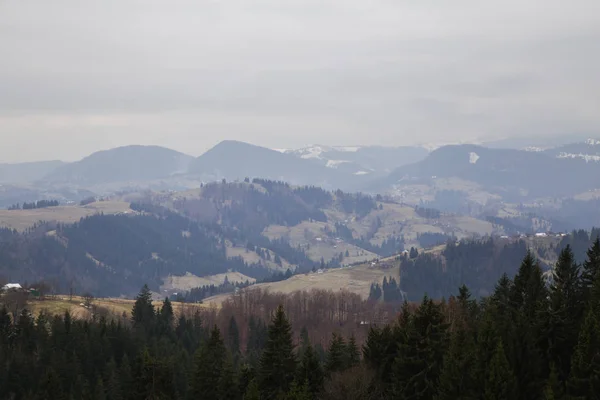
(592, 142)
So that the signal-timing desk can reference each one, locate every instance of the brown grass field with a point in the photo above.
(59, 304)
(23, 219)
(354, 279)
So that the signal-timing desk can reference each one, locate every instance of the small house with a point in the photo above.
(12, 286)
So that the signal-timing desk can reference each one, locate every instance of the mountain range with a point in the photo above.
(415, 174)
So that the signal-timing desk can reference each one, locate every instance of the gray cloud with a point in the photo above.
(79, 76)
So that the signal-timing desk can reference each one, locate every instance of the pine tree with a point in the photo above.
(51, 387)
(208, 367)
(500, 383)
(417, 367)
(298, 392)
(143, 314)
(126, 378)
(166, 316)
(278, 362)
(311, 371)
(233, 337)
(353, 354)
(457, 378)
(252, 392)
(99, 393)
(336, 355)
(564, 312)
(585, 365)
(227, 382)
(591, 267)
(555, 389)
(113, 387)
(529, 302)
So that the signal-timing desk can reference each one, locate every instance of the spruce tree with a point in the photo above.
(336, 355)
(585, 365)
(500, 383)
(555, 389)
(126, 378)
(99, 393)
(253, 391)
(208, 368)
(278, 362)
(233, 337)
(591, 267)
(298, 392)
(457, 378)
(113, 387)
(529, 303)
(143, 314)
(228, 386)
(311, 371)
(166, 316)
(566, 305)
(353, 354)
(51, 387)
(418, 365)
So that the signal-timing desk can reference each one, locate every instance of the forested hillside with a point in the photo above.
(113, 255)
(532, 338)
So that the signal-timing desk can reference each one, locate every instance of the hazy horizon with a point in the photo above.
(78, 78)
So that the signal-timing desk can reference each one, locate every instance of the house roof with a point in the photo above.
(12, 286)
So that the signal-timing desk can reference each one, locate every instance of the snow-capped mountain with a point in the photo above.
(588, 151)
(361, 160)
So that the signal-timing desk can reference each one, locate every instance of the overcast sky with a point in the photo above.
(79, 76)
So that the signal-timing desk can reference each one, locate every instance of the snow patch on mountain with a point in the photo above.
(311, 152)
(348, 149)
(592, 142)
(473, 157)
(361, 173)
(534, 149)
(586, 157)
(335, 163)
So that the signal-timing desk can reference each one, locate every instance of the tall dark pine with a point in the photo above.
(228, 386)
(208, 368)
(353, 354)
(418, 365)
(500, 382)
(143, 314)
(51, 387)
(336, 355)
(591, 267)
(278, 361)
(566, 307)
(310, 371)
(166, 316)
(584, 381)
(233, 337)
(555, 389)
(527, 356)
(457, 378)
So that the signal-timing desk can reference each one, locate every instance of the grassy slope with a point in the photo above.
(23, 219)
(59, 304)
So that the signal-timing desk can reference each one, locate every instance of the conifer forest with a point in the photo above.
(536, 336)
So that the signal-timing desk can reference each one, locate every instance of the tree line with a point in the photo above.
(532, 338)
(35, 204)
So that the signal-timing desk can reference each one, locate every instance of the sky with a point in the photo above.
(80, 76)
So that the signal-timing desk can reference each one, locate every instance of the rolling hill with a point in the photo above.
(514, 175)
(233, 160)
(27, 172)
(372, 161)
(122, 164)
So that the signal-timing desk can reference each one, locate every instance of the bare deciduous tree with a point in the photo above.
(88, 299)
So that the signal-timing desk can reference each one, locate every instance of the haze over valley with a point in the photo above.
(299, 200)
